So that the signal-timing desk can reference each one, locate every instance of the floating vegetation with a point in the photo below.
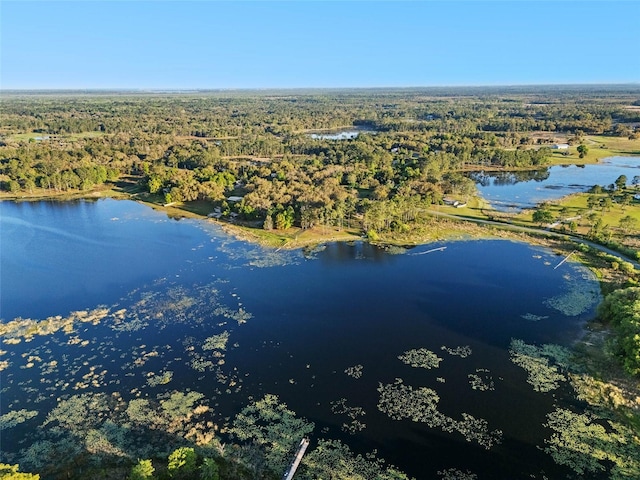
(256, 256)
(355, 371)
(353, 427)
(162, 379)
(340, 407)
(333, 459)
(216, 342)
(395, 250)
(272, 426)
(421, 358)
(27, 328)
(462, 352)
(313, 251)
(588, 444)
(534, 318)
(481, 380)
(107, 426)
(16, 417)
(241, 316)
(581, 294)
(536, 361)
(455, 474)
(400, 401)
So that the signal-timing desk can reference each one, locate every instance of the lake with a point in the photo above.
(164, 306)
(514, 191)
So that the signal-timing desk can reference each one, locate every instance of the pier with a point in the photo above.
(288, 475)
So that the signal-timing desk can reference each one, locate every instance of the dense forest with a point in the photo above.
(412, 149)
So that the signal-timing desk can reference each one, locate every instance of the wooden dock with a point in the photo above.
(288, 475)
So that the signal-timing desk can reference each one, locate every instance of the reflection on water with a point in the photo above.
(514, 191)
(177, 316)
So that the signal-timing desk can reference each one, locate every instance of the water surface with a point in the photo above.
(514, 191)
(296, 323)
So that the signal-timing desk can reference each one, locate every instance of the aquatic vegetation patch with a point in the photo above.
(481, 380)
(27, 328)
(216, 342)
(109, 427)
(588, 444)
(421, 358)
(462, 351)
(340, 407)
(581, 294)
(534, 318)
(272, 426)
(400, 401)
(154, 380)
(16, 417)
(355, 371)
(456, 474)
(536, 361)
(240, 315)
(334, 459)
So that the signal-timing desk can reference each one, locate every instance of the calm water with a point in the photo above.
(518, 190)
(313, 315)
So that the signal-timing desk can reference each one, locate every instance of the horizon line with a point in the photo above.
(248, 89)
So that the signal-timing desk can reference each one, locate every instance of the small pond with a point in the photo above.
(514, 191)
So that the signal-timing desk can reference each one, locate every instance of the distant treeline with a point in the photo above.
(209, 146)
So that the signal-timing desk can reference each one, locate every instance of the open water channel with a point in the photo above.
(177, 305)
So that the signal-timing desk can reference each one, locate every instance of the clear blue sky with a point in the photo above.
(264, 44)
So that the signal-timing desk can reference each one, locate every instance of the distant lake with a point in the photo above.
(298, 323)
(514, 191)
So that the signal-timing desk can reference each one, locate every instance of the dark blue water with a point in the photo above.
(312, 318)
(512, 191)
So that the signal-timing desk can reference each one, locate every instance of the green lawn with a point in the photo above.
(576, 206)
(600, 146)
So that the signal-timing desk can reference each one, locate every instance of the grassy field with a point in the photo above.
(575, 207)
(600, 147)
(67, 137)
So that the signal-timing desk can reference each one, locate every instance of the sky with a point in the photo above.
(308, 44)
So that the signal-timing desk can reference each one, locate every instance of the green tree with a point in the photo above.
(154, 184)
(182, 462)
(10, 472)
(621, 308)
(606, 203)
(542, 215)
(143, 470)
(592, 202)
(583, 150)
(621, 182)
(209, 470)
(573, 226)
(268, 222)
(628, 223)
